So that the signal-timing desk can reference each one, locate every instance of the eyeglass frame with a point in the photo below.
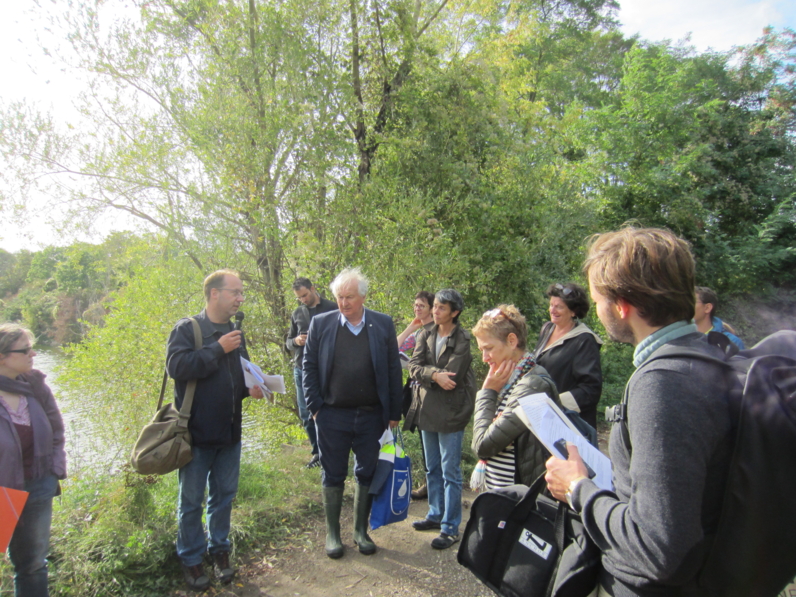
(25, 351)
(566, 291)
(497, 311)
(234, 291)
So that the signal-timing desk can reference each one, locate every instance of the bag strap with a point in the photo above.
(190, 389)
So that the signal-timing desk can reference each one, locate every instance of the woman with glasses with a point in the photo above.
(441, 409)
(32, 456)
(570, 351)
(424, 302)
(407, 340)
(508, 450)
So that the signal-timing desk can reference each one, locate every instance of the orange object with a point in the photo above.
(12, 501)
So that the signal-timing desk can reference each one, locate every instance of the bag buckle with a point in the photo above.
(616, 413)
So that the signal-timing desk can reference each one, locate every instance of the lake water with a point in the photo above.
(82, 449)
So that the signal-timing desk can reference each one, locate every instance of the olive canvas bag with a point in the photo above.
(164, 444)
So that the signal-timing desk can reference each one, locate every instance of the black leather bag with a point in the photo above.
(521, 543)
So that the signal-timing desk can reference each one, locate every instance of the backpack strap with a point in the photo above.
(618, 412)
(190, 389)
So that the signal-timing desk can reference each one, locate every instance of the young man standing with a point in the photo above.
(671, 451)
(311, 305)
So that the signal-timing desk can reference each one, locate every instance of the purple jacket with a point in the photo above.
(49, 456)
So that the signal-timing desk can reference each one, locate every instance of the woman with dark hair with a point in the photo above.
(424, 303)
(407, 340)
(510, 452)
(570, 351)
(441, 409)
(32, 456)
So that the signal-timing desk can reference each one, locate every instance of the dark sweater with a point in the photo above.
(574, 364)
(353, 382)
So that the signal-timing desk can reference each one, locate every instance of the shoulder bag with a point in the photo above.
(164, 444)
(522, 543)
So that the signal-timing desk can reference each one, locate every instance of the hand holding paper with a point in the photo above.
(269, 384)
(550, 425)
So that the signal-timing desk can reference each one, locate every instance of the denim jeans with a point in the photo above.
(304, 412)
(31, 540)
(341, 430)
(216, 469)
(444, 478)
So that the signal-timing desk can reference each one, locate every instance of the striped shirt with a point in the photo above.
(500, 469)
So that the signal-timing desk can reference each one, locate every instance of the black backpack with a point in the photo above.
(753, 552)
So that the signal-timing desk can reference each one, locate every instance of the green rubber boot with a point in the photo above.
(362, 502)
(332, 504)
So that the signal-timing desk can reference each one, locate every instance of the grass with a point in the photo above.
(114, 535)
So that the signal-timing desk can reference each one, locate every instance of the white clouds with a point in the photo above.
(716, 24)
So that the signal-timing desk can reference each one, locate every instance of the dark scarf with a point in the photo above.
(20, 385)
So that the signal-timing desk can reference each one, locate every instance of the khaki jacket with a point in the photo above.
(435, 409)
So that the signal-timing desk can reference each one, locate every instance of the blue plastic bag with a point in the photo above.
(391, 503)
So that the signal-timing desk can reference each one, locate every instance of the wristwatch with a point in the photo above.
(572, 486)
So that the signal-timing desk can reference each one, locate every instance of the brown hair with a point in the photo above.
(10, 333)
(574, 296)
(707, 296)
(216, 280)
(426, 296)
(650, 268)
(502, 321)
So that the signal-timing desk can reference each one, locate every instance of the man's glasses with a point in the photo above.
(564, 290)
(21, 350)
(235, 292)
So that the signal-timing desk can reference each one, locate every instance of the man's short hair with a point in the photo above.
(216, 280)
(650, 268)
(574, 296)
(348, 275)
(300, 283)
(707, 296)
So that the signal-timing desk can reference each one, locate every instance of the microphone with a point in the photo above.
(238, 320)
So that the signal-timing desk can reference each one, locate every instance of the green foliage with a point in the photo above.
(115, 535)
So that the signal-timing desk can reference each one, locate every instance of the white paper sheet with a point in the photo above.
(254, 376)
(549, 424)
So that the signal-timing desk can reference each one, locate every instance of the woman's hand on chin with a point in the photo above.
(498, 375)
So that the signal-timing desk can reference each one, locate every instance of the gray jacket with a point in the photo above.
(49, 456)
(491, 436)
(669, 478)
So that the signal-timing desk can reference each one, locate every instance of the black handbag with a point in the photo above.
(522, 543)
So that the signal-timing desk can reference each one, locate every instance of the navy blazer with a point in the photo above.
(319, 356)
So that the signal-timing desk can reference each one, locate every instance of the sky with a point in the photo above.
(26, 74)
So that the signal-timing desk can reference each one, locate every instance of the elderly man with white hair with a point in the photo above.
(353, 388)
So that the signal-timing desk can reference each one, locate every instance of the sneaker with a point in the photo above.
(195, 577)
(314, 462)
(421, 493)
(425, 525)
(221, 566)
(444, 541)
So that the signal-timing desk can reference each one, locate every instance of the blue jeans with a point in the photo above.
(304, 412)
(218, 470)
(341, 430)
(444, 478)
(31, 540)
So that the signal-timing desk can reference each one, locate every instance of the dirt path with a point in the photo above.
(405, 565)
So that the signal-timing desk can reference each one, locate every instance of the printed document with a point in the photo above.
(254, 376)
(549, 424)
